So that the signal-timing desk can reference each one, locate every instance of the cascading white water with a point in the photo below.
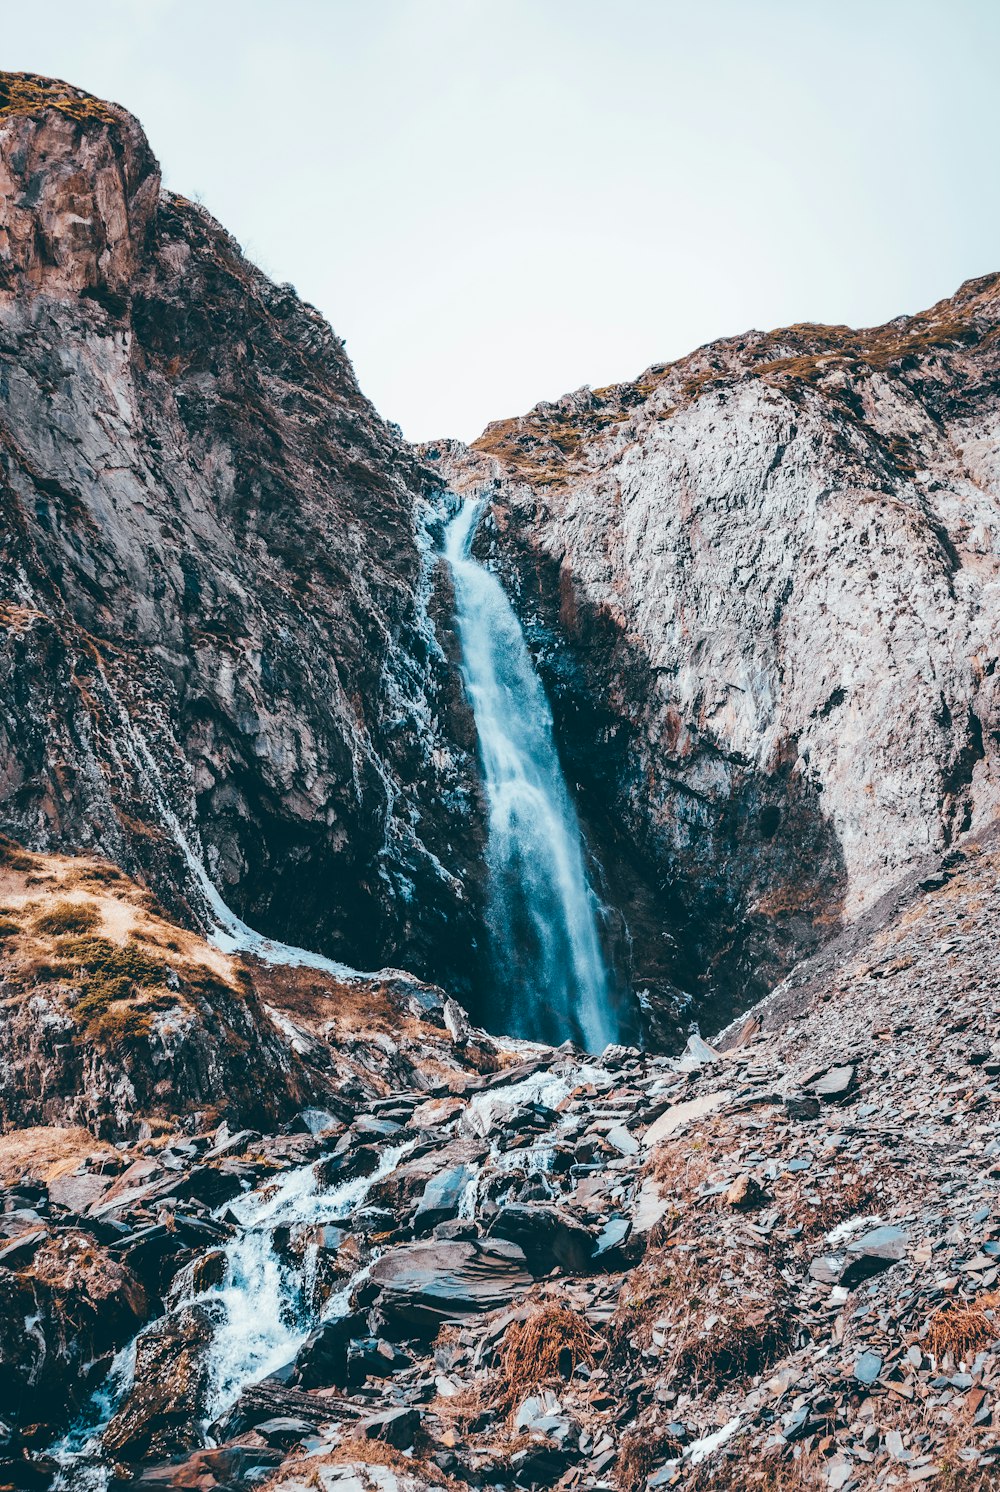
(551, 980)
(263, 1311)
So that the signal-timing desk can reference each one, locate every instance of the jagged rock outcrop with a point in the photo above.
(214, 590)
(113, 1017)
(761, 584)
(789, 1280)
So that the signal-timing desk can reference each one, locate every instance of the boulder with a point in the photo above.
(442, 1197)
(161, 1414)
(396, 1427)
(548, 1236)
(269, 1401)
(679, 1115)
(422, 1285)
(321, 1361)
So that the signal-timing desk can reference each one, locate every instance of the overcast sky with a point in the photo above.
(496, 201)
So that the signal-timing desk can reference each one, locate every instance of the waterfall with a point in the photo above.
(551, 980)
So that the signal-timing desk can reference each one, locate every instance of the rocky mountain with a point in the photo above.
(214, 579)
(269, 1223)
(762, 583)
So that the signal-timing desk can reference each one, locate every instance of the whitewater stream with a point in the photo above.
(265, 1306)
(263, 1310)
(550, 976)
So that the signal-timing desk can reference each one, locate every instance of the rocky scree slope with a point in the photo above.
(772, 1262)
(214, 589)
(762, 585)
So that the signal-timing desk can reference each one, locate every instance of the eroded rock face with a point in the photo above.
(62, 1308)
(214, 592)
(761, 584)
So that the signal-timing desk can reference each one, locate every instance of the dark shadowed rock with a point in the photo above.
(549, 1237)
(321, 1361)
(426, 1284)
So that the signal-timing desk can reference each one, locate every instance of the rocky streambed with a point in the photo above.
(771, 1261)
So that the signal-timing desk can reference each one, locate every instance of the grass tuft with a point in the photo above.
(963, 1329)
(27, 93)
(547, 1344)
(67, 917)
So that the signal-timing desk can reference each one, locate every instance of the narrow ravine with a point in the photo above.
(550, 978)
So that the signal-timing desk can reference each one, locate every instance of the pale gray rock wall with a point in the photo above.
(776, 563)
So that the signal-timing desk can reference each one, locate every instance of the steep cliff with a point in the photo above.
(214, 585)
(762, 583)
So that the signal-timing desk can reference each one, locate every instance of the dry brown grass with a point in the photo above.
(12, 857)
(27, 93)
(67, 917)
(958, 1476)
(468, 1410)
(45, 1152)
(964, 1328)
(723, 1318)
(547, 1345)
(641, 1453)
(678, 1167)
(848, 1197)
(737, 1474)
(354, 1451)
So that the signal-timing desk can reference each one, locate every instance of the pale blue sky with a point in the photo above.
(495, 201)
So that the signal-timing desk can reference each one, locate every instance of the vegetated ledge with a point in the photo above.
(115, 1018)
(32, 94)
(554, 439)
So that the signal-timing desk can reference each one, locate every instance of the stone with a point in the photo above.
(745, 1194)
(873, 1252)
(160, 1414)
(622, 1139)
(868, 1367)
(322, 1360)
(835, 1084)
(396, 1427)
(679, 1115)
(22, 1249)
(441, 1197)
(802, 1106)
(269, 1400)
(284, 1430)
(613, 1235)
(423, 1285)
(548, 1236)
(697, 1054)
(369, 1357)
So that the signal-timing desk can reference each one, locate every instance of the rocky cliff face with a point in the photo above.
(214, 590)
(762, 584)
